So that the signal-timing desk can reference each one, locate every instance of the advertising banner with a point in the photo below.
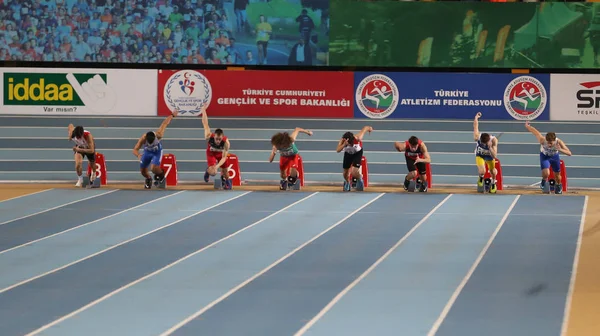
(52, 91)
(280, 94)
(575, 97)
(451, 96)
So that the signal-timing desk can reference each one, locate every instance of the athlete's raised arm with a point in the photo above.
(207, 131)
(476, 126)
(362, 132)
(160, 133)
(540, 138)
(299, 130)
(71, 128)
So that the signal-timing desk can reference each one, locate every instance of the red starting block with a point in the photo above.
(427, 173)
(563, 175)
(488, 175)
(169, 165)
(233, 165)
(100, 169)
(364, 170)
(300, 170)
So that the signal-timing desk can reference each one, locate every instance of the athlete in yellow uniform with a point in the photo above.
(486, 152)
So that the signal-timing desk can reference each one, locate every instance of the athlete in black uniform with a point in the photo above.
(417, 156)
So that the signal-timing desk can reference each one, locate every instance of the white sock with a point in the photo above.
(80, 178)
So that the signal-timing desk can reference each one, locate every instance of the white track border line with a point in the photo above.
(569, 299)
(95, 302)
(280, 260)
(341, 294)
(446, 310)
(88, 223)
(30, 194)
(115, 246)
(59, 206)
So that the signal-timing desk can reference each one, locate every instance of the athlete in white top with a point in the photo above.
(550, 147)
(84, 146)
(352, 147)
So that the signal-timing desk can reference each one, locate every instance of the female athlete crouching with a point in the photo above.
(284, 143)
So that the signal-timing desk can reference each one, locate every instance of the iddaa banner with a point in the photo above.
(451, 96)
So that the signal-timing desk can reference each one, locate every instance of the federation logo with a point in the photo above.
(525, 98)
(188, 91)
(377, 96)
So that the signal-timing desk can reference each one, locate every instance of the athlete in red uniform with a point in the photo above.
(285, 144)
(216, 152)
(84, 147)
(352, 147)
(416, 155)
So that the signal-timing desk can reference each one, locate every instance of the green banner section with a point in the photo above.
(464, 34)
(27, 88)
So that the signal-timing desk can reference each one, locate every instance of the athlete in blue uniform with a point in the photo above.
(550, 147)
(152, 154)
(486, 152)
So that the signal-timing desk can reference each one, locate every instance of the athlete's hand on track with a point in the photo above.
(310, 133)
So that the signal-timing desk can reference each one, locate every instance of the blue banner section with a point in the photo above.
(451, 96)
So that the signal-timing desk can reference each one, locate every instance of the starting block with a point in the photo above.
(487, 179)
(162, 185)
(218, 184)
(416, 182)
(169, 165)
(550, 186)
(100, 171)
(86, 182)
(364, 171)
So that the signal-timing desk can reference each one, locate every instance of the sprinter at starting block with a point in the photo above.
(216, 152)
(486, 152)
(152, 154)
(285, 144)
(85, 146)
(417, 157)
(550, 147)
(352, 147)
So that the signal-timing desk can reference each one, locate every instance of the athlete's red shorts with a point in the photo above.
(288, 162)
(212, 158)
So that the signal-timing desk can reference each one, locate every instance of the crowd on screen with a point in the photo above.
(123, 31)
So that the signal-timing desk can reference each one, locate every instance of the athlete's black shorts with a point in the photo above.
(352, 159)
(421, 166)
(90, 157)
